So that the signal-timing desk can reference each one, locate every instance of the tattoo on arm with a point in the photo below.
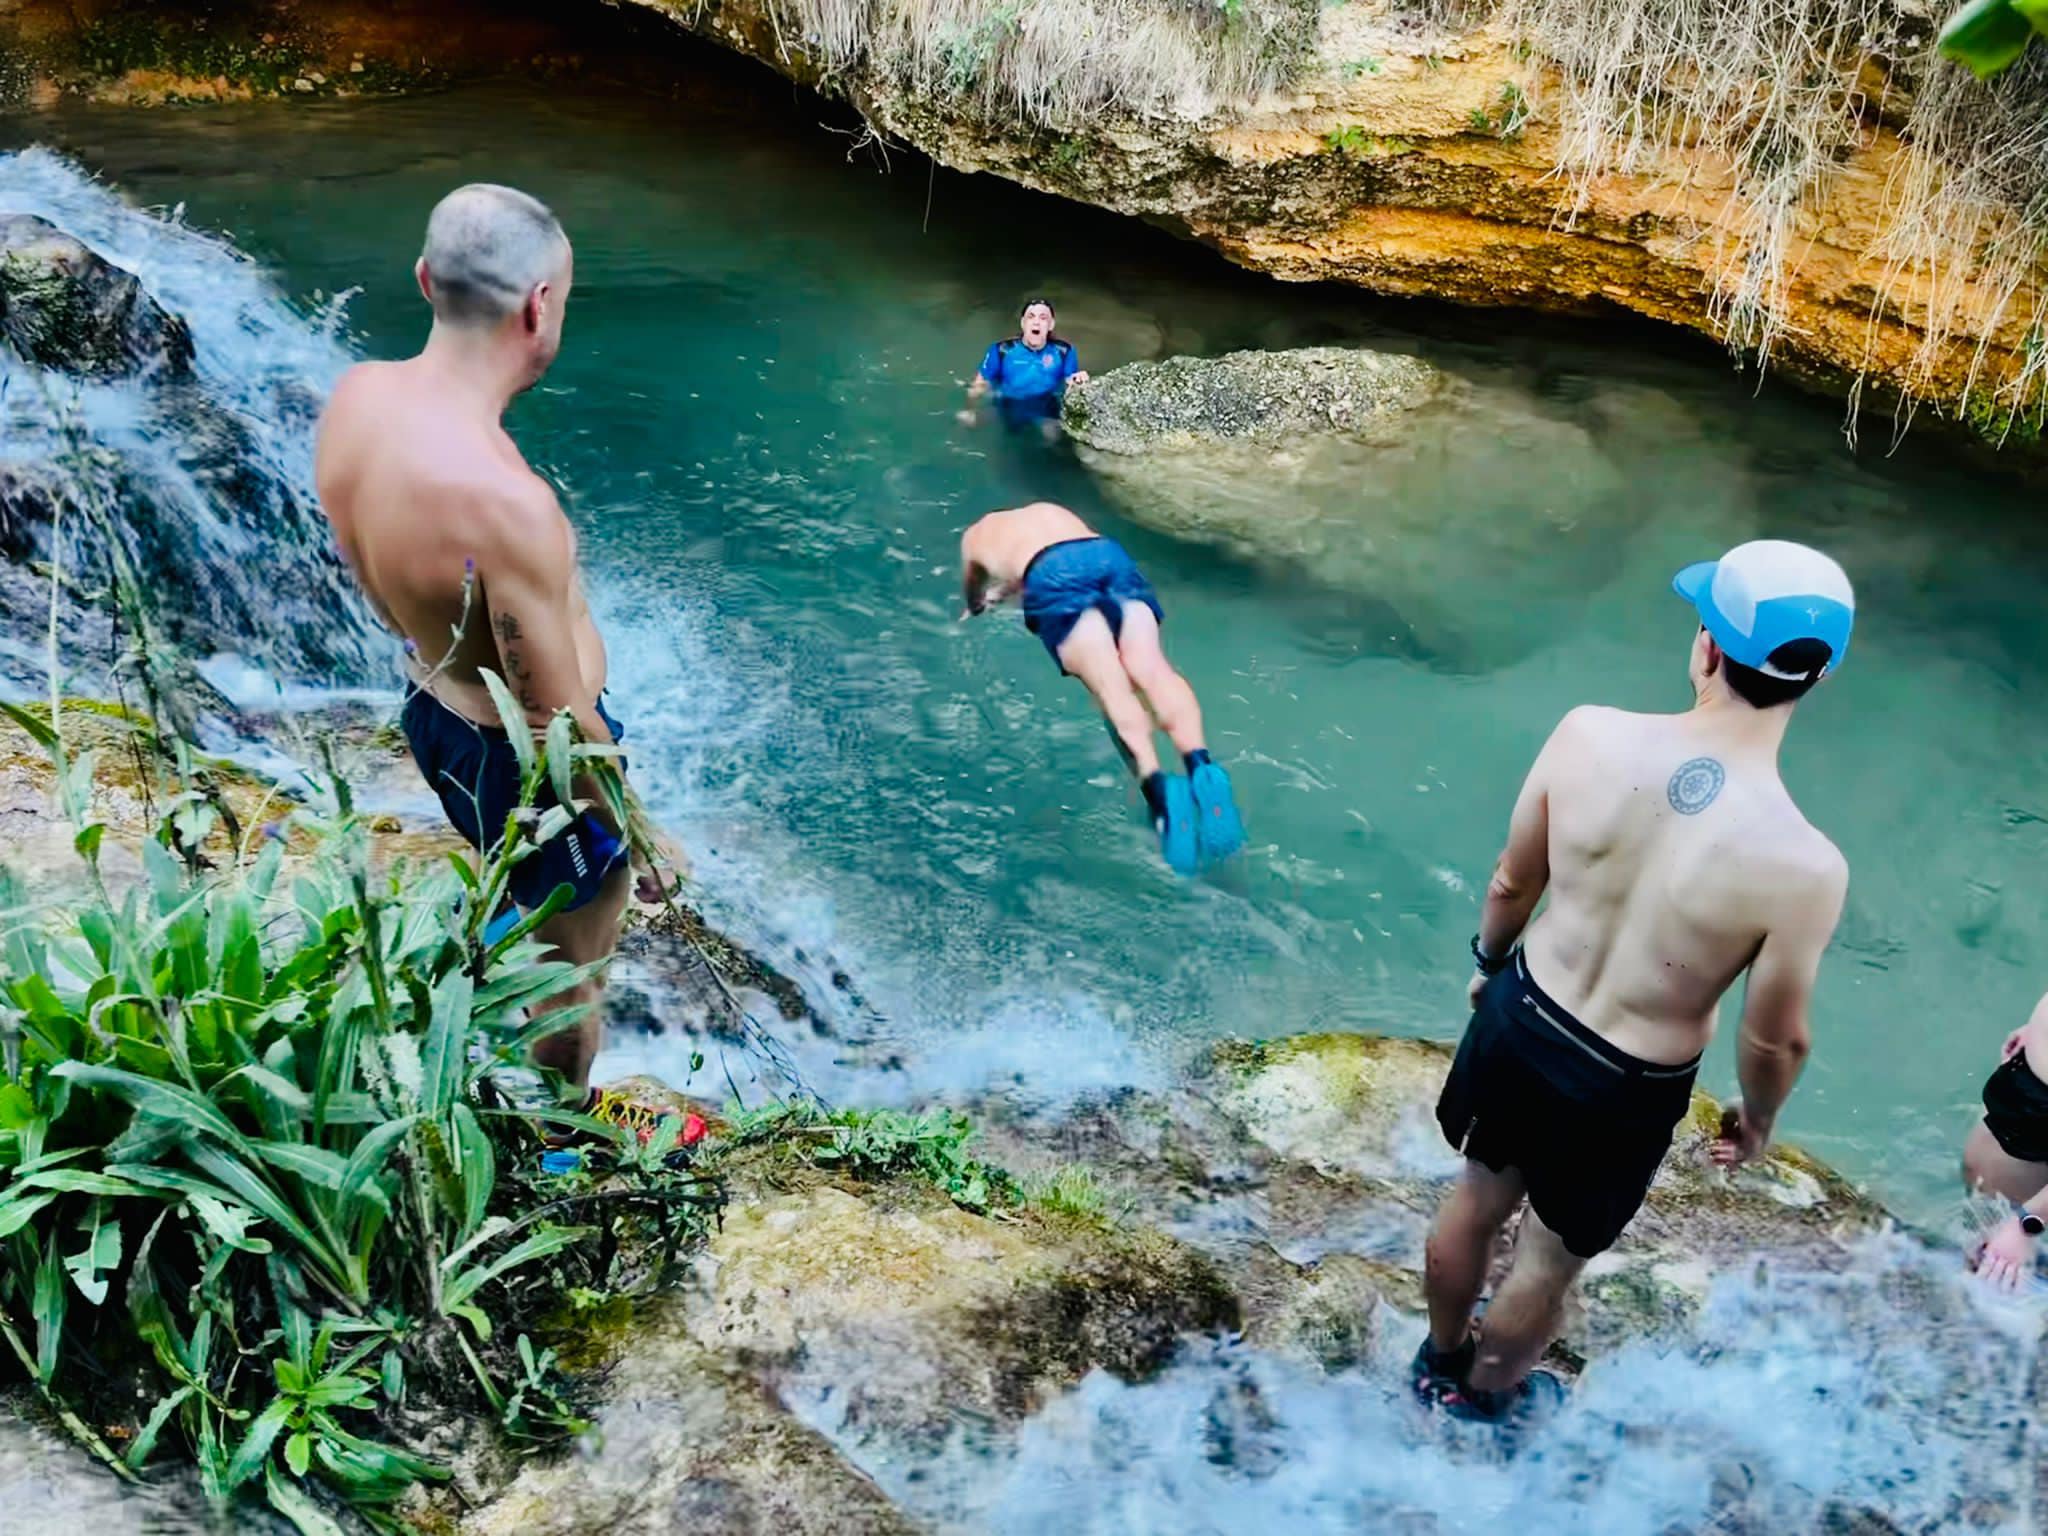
(517, 673)
(1695, 784)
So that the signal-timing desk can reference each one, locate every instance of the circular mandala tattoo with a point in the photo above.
(1694, 785)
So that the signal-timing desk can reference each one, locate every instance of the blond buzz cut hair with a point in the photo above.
(487, 248)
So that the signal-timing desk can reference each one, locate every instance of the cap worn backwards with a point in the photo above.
(1767, 593)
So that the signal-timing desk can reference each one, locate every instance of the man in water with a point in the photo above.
(464, 552)
(1099, 618)
(1675, 861)
(2007, 1153)
(1029, 373)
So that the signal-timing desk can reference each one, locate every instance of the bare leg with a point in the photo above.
(1145, 663)
(1526, 1309)
(588, 934)
(1090, 654)
(1460, 1249)
(1989, 1167)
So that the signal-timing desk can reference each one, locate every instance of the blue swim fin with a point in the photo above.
(1177, 839)
(1220, 828)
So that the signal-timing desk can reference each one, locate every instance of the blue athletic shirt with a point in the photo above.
(1018, 373)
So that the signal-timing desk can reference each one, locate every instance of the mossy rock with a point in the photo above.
(66, 307)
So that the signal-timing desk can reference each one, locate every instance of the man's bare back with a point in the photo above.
(427, 497)
(1675, 854)
(999, 548)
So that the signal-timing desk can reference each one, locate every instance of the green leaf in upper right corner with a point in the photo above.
(1988, 36)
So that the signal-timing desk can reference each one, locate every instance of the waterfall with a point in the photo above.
(208, 470)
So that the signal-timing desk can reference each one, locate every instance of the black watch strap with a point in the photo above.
(1489, 965)
(2031, 1224)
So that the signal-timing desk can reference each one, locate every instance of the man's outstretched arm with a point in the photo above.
(1776, 1008)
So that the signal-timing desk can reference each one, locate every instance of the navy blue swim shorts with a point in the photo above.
(1065, 580)
(475, 772)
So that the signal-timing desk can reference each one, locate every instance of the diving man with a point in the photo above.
(1098, 617)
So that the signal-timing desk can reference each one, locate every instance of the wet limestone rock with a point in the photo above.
(66, 307)
(897, 1312)
(833, 1331)
(1269, 398)
(687, 1442)
(1351, 1120)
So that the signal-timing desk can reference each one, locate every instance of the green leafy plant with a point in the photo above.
(883, 1143)
(1357, 68)
(1988, 36)
(1071, 1192)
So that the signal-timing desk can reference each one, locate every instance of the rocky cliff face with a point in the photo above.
(1411, 154)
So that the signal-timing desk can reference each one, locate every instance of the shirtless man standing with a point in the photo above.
(466, 554)
(1675, 861)
(1099, 619)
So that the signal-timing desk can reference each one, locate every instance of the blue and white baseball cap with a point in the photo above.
(1766, 593)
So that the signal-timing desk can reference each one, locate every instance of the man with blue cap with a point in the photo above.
(1675, 861)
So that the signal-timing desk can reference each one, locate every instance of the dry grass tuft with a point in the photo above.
(1057, 63)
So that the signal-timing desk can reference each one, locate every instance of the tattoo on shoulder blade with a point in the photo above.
(1694, 785)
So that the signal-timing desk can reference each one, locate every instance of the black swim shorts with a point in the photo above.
(476, 773)
(1065, 580)
(2016, 1109)
(1583, 1123)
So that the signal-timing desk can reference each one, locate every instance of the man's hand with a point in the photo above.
(2012, 1045)
(967, 417)
(1080, 376)
(2007, 1258)
(1476, 986)
(660, 869)
(1742, 1139)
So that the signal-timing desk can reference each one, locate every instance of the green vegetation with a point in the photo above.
(1990, 35)
(255, 1165)
(1507, 117)
(1354, 140)
(883, 1144)
(1358, 68)
(1071, 1192)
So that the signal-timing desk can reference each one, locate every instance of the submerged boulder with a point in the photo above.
(1393, 500)
(1271, 398)
(66, 307)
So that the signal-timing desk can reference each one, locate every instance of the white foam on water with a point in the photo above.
(230, 507)
(1895, 1387)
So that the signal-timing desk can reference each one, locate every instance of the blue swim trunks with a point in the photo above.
(1065, 580)
(475, 772)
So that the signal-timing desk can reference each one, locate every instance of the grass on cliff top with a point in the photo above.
(1784, 91)
(1057, 63)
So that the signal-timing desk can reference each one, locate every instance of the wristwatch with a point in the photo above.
(1488, 965)
(2030, 1224)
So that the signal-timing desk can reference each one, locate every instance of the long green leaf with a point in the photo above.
(544, 1242)
(446, 1058)
(317, 1166)
(371, 1153)
(249, 1189)
(297, 1506)
(254, 1450)
(159, 1416)
(517, 727)
(167, 1101)
(478, 1167)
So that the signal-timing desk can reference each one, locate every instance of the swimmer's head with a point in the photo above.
(1774, 620)
(1035, 322)
(497, 261)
